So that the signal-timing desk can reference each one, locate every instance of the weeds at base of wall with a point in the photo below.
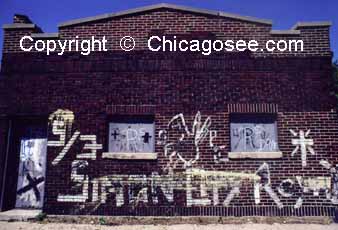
(102, 221)
(41, 216)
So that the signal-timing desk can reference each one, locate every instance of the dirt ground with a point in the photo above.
(60, 226)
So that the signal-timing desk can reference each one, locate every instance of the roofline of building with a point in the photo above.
(293, 31)
(45, 35)
(165, 6)
(19, 26)
(312, 24)
(285, 32)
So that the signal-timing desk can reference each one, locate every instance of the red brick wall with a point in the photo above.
(3, 145)
(3, 130)
(163, 85)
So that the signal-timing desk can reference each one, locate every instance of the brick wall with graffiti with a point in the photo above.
(179, 134)
(193, 168)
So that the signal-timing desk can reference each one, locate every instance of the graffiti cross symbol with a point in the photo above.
(303, 143)
(146, 137)
(32, 184)
(115, 134)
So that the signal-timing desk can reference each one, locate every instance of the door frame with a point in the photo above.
(5, 163)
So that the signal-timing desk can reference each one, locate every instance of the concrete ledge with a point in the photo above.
(130, 156)
(255, 155)
(19, 26)
(45, 35)
(166, 6)
(285, 32)
(19, 214)
(153, 220)
(312, 24)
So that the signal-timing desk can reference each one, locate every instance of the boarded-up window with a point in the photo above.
(253, 133)
(132, 135)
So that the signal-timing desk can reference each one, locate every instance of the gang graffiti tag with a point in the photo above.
(202, 187)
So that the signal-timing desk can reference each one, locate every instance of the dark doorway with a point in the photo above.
(25, 166)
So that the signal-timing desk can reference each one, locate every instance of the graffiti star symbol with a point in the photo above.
(303, 144)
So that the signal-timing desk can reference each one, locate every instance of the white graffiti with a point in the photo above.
(206, 181)
(315, 184)
(286, 188)
(80, 179)
(333, 170)
(131, 138)
(201, 187)
(217, 150)
(199, 132)
(66, 148)
(156, 188)
(59, 120)
(264, 173)
(252, 137)
(62, 120)
(92, 146)
(303, 144)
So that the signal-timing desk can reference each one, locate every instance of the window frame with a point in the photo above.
(132, 119)
(254, 154)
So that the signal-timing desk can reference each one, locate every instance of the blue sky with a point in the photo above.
(283, 13)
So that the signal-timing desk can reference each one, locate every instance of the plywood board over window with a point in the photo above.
(131, 137)
(254, 136)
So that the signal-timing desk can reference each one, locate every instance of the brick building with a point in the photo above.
(169, 133)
